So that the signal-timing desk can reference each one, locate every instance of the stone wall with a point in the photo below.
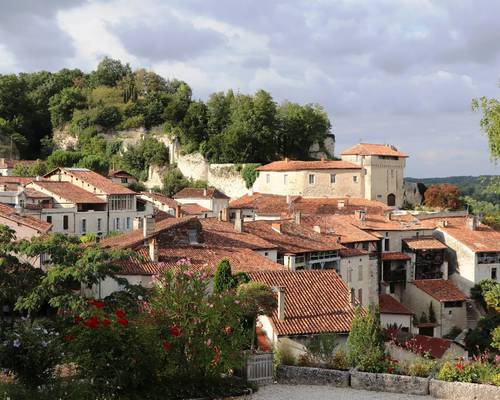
(389, 383)
(312, 376)
(463, 391)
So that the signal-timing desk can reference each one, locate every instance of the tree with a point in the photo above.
(490, 122)
(495, 338)
(432, 314)
(63, 158)
(38, 168)
(442, 196)
(223, 278)
(109, 72)
(63, 104)
(365, 342)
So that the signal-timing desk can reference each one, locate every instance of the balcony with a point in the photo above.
(394, 276)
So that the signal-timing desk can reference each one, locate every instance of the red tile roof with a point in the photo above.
(424, 243)
(292, 165)
(389, 305)
(120, 174)
(367, 149)
(35, 194)
(200, 193)
(31, 222)
(292, 238)
(19, 180)
(103, 184)
(440, 289)
(194, 209)
(160, 198)
(432, 345)
(316, 301)
(395, 256)
(377, 222)
(10, 163)
(348, 252)
(67, 191)
(338, 225)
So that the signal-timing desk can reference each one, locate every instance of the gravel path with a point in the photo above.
(306, 392)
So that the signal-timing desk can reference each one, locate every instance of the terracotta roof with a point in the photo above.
(102, 183)
(432, 345)
(377, 222)
(67, 191)
(161, 198)
(389, 305)
(139, 265)
(136, 237)
(395, 256)
(367, 149)
(424, 243)
(31, 222)
(292, 165)
(348, 252)
(10, 163)
(440, 289)
(316, 301)
(481, 239)
(207, 256)
(292, 238)
(19, 180)
(120, 174)
(194, 209)
(35, 194)
(338, 225)
(200, 193)
(222, 234)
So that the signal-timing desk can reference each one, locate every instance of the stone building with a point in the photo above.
(210, 199)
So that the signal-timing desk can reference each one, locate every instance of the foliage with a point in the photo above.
(38, 168)
(283, 355)
(223, 279)
(365, 342)
(249, 174)
(492, 298)
(139, 157)
(442, 196)
(422, 367)
(322, 347)
(480, 291)
(109, 72)
(477, 370)
(63, 104)
(31, 351)
(174, 181)
(63, 158)
(490, 122)
(495, 338)
(453, 333)
(432, 314)
(479, 339)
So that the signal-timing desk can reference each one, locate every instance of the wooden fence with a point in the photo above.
(260, 368)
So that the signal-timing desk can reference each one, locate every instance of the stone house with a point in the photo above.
(161, 202)
(323, 178)
(357, 272)
(448, 303)
(383, 171)
(11, 187)
(393, 313)
(122, 177)
(212, 200)
(310, 302)
(473, 249)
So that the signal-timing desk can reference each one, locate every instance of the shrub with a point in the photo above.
(478, 370)
(132, 122)
(422, 367)
(223, 279)
(31, 351)
(453, 333)
(249, 174)
(284, 355)
(365, 342)
(338, 360)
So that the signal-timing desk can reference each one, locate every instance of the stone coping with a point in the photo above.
(389, 383)
(293, 375)
(463, 391)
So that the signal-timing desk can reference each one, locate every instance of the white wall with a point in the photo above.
(350, 268)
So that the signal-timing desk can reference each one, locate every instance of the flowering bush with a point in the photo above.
(477, 370)
(31, 351)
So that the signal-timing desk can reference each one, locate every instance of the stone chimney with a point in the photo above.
(153, 249)
(286, 159)
(148, 226)
(288, 199)
(204, 192)
(341, 204)
(281, 303)
(297, 217)
(238, 222)
(443, 223)
(360, 215)
(137, 223)
(223, 214)
(276, 226)
(178, 211)
(471, 222)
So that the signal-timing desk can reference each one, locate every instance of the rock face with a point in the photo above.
(463, 391)
(389, 383)
(312, 376)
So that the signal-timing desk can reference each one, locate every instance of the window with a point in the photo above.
(312, 179)
(365, 245)
(332, 178)
(65, 222)
(121, 202)
(285, 179)
(116, 224)
(128, 223)
(355, 178)
(386, 244)
(49, 219)
(494, 274)
(365, 171)
(453, 304)
(353, 296)
(392, 173)
(360, 296)
(360, 273)
(99, 224)
(84, 226)
(349, 275)
(124, 180)
(268, 178)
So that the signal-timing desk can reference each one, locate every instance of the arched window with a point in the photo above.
(391, 199)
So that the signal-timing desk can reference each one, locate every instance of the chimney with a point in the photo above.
(281, 303)
(204, 192)
(286, 159)
(148, 226)
(276, 226)
(153, 250)
(137, 223)
(238, 222)
(288, 199)
(323, 158)
(317, 228)
(223, 214)
(297, 217)
(471, 222)
(360, 215)
(341, 204)
(38, 178)
(443, 223)
(178, 211)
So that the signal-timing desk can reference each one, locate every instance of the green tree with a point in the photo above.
(96, 163)
(365, 342)
(63, 104)
(63, 158)
(432, 314)
(223, 277)
(490, 122)
(38, 168)
(110, 71)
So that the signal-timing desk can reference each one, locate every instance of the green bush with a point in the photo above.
(132, 122)
(475, 371)
(422, 367)
(249, 174)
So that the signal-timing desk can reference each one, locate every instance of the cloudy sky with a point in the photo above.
(401, 72)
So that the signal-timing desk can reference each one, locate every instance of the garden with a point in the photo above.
(175, 340)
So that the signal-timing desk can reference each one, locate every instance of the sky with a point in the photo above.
(387, 71)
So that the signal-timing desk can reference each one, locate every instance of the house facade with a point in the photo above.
(211, 202)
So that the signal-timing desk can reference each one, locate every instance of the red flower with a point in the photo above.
(120, 314)
(459, 366)
(166, 345)
(78, 319)
(106, 322)
(92, 322)
(97, 303)
(122, 322)
(69, 338)
(175, 331)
